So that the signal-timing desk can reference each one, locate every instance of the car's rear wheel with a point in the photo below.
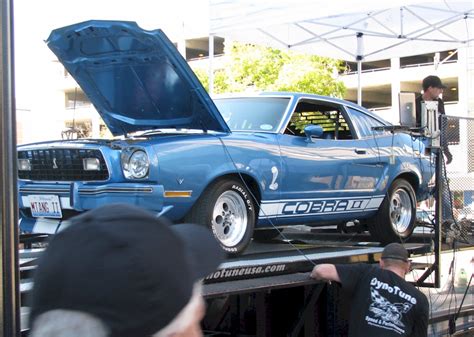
(395, 220)
(227, 208)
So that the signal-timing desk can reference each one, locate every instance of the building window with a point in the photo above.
(76, 129)
(76, 99)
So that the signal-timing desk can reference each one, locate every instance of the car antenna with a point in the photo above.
(74, 109)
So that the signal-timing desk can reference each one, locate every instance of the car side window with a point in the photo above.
(329, 116)
(364, 123)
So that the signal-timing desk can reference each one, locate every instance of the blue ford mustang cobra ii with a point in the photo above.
(241, 165)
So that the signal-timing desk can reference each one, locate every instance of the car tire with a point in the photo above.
(227, 208)
(395, 220)
(263, 235)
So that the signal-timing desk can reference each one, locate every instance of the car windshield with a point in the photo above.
(253, 114)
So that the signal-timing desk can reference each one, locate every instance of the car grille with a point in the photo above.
(62, 165)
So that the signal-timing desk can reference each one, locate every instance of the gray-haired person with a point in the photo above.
(383, 303)
(118, 270)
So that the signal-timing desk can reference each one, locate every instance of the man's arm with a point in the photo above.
(326, 272)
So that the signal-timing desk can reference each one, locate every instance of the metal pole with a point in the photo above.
(359, 58)
(359, 85)
(10, 306)
(438, 216)
(211, 66)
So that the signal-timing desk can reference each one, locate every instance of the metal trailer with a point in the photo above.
(243, 300)
(268, 292)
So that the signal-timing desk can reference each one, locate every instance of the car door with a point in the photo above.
(386, 146)
(332, 175)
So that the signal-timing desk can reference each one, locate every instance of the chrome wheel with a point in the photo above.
(400, 210)
(229, 218)
(395, 219)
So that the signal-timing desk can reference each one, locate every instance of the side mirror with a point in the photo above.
(312, 130)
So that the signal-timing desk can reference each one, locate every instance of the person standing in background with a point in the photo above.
(432, 90)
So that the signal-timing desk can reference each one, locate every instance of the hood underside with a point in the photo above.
(136, 79)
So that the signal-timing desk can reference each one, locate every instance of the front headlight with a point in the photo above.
(24, 164)
(135, 164)
(91, 164)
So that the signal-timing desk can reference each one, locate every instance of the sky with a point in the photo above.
(34, 19)
(45, 15)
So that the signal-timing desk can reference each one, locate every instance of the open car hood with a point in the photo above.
(136, 79)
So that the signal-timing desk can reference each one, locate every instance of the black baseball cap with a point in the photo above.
(395, 251)
(125, 266)
(432, 81)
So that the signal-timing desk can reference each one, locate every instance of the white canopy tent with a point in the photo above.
(365, 30)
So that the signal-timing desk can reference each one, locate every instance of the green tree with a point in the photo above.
(258, 68)
(254, 66)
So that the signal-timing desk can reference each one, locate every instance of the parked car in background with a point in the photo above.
(242, 165)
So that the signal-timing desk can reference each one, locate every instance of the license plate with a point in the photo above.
(46, 206)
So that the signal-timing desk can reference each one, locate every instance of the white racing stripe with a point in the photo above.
(375, 202)
(319, 206)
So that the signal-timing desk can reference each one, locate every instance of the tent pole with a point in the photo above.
(9, 272)
(359, 85)
(359, 58)
(211, 58)
(182, 41)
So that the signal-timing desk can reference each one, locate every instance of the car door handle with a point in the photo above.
(360, 151)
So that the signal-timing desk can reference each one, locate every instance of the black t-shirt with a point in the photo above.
(382, 303)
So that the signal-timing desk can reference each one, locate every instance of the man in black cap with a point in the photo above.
(118, 270)
(383, 303)
(432, 89)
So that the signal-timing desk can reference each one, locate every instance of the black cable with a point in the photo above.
(430, 302)
(451, 290)
(259, 205)
(445, 181)
(420, 164)
(452, 320)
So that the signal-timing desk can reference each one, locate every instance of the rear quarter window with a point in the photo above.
(364, 123)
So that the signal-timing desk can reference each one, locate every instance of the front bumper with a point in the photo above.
(77, 197)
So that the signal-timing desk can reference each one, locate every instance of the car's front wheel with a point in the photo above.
(395, 220)
(228, 209)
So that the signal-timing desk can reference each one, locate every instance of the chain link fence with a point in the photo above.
(457, 145)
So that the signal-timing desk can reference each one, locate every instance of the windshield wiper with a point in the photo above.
(150, 133)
